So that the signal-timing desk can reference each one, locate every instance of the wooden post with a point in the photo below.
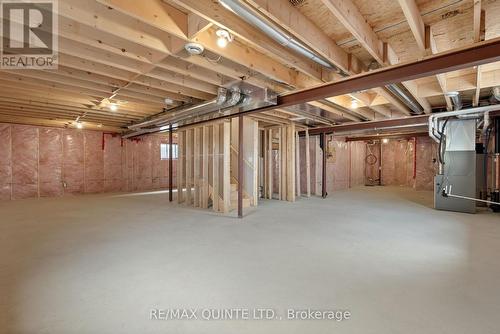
(240, 167)
(216, 167)
(204, 185)
(181, 141)
(170, 164)
(226, 180)
(308, 165)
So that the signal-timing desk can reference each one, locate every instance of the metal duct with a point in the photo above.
(288, 41)
(276, 34)
(237, 97)
(455, 99)
(405, 98)
(495, 92)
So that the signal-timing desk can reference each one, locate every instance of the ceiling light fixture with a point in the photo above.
(354, 104)
(223, 38)
(79, 125)
(113, 107)
(385, 140)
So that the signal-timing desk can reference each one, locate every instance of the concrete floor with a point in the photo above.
(99, 264)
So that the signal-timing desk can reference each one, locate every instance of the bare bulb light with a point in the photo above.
(385, 140)
(354, 104)
(221, 42)
(79, 125)
(113, 107)
(223, 38)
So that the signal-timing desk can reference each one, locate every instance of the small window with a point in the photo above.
(165, 151)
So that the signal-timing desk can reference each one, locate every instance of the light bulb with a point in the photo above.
(221, 42)
(354, 104)
(385, 140)
(113, 107)
(79, 125)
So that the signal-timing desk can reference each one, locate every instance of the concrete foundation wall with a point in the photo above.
(51, 162)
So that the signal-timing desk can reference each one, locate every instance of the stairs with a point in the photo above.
(234, 197)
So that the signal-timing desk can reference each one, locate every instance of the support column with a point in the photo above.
(216, 167)
(308, 165)
(205, 155)
(196, 165)
(170, 164)
(323, 174)
(181, 166)
(280, 164)
(270, 165)
(189, 166)
(297, 160)
(240, 167)
(226, 180)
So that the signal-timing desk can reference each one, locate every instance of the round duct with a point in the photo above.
(194, 48)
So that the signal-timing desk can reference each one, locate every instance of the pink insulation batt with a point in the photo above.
(50, 162)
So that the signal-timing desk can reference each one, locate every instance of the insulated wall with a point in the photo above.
(50, 162)
(356, 163)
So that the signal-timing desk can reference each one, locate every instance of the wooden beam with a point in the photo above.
(296, 23)
(157, 13)
(196, 24)
(350, 17)
(414, 19)
(214, 12)
(477, 21)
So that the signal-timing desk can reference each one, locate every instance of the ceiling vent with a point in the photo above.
(194, 48)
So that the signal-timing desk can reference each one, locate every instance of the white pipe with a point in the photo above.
(434, 118)
(447, 192)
